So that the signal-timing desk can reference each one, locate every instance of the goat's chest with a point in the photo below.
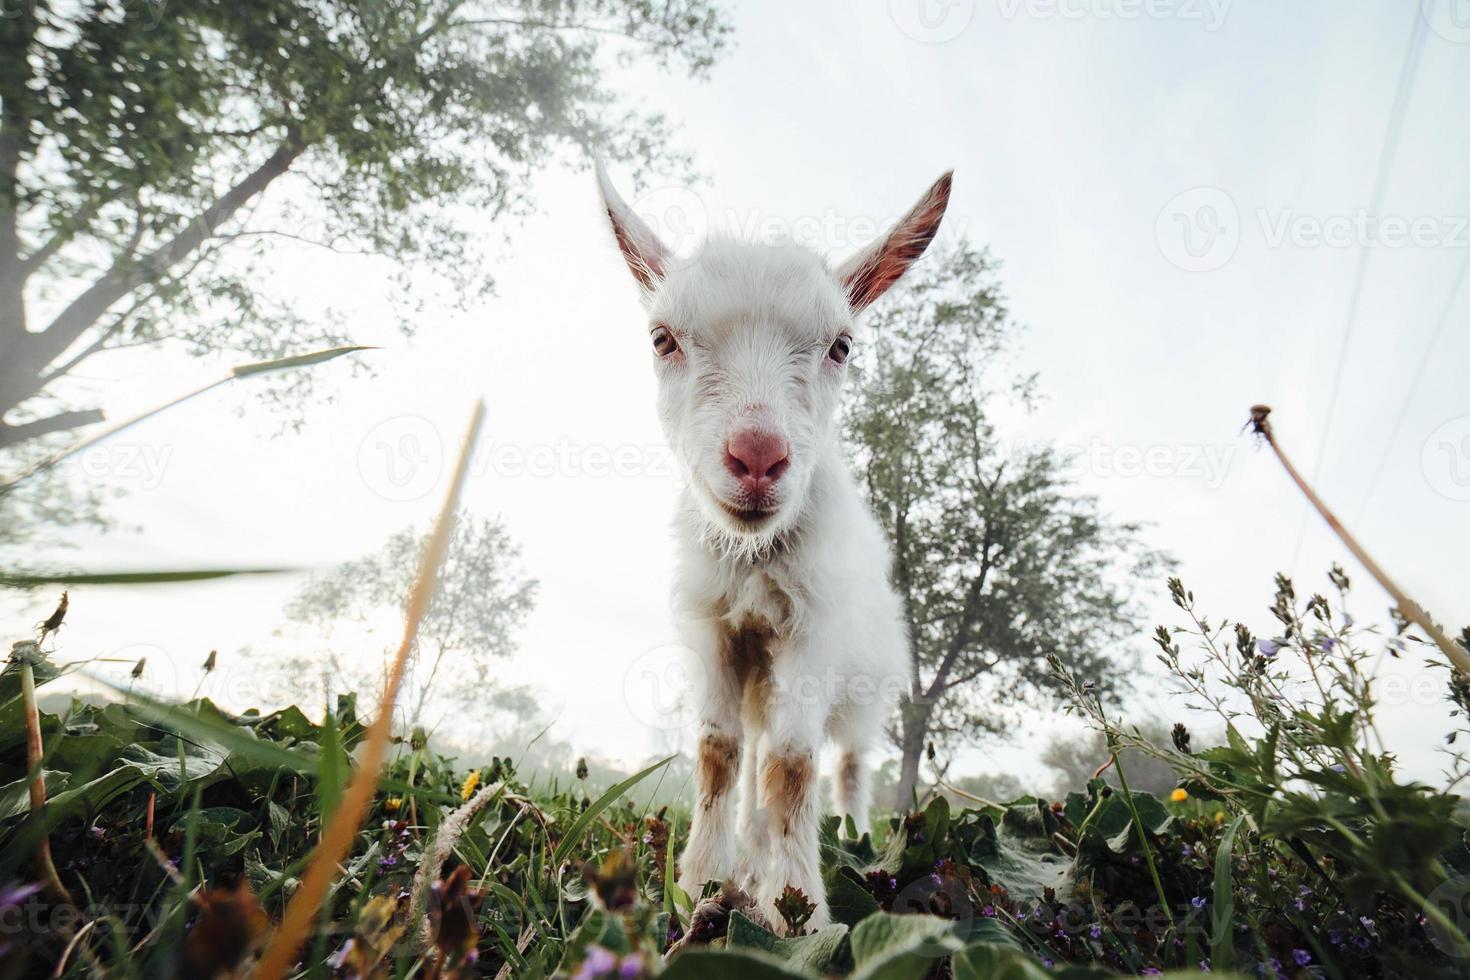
(755, 616)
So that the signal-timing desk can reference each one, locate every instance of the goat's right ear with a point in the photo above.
(644, 253)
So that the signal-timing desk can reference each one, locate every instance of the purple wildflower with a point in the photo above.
(1301, 956)
(600, 962)
(631, 967)
(1267, 648)
(1198, 901)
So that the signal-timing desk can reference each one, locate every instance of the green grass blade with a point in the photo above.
(133, 578)
(579, 827)
(1222, 922)
(240, 371)
(296, 361)
(333, 769)
(673, 894)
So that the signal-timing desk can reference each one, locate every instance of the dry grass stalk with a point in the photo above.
(1411, 610)
(336, 840)
(25, 654)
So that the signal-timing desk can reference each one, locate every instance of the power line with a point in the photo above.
(1386, 152)
(1424, 359)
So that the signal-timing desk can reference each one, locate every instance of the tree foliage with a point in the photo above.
(998, 561)
(481, 602)
(138, 143)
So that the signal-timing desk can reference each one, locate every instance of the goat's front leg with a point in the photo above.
(711, 853)
(788, 797)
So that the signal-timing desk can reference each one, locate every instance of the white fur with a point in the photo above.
(755, 324)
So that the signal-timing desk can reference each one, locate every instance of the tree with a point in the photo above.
(481, 602)
(138, 143)
(998, 562)
(1077, 759)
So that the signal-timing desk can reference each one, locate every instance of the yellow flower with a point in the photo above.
(392, 804)
(1220, 818)
(1179, 795)
(471, 783)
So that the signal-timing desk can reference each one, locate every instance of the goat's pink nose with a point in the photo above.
(757, 459)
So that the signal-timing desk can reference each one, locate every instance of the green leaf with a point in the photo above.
(1222, 915)
(848, 898)
(901, 947)
(711, 964)
(987, 961)
(822, 952)
(579, 827)
(206, 723)
(15, 797)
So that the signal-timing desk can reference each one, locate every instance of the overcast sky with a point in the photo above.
(1177, 190)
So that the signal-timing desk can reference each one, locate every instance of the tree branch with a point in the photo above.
(11, 435)
(74, 226)
(963, 633)
(22, 379)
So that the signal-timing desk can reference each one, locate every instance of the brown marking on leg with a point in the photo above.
(745, 651)
(847, 777)
(719, 760)
(788, 778)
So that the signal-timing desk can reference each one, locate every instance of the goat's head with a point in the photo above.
(750, 344)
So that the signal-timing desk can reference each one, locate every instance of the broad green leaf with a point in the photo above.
(822, 952)
(711, 964)
(901, 947)
(987, 961)
(848, 898)
(206, 723)
(15, 797)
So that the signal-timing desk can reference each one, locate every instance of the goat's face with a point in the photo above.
(750, 344)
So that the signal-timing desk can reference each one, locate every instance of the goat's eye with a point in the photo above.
(664, 343)
(841, 347)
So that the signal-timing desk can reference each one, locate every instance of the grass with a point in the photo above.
(185, 835)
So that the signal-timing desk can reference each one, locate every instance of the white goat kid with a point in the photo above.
(782, 584)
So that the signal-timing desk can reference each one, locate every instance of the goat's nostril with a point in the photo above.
(756, 459)
(736, 465)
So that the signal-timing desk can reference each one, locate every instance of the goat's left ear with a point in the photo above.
(870, 273)
(644, 253)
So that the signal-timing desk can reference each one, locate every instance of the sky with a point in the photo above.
(1181, 196)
